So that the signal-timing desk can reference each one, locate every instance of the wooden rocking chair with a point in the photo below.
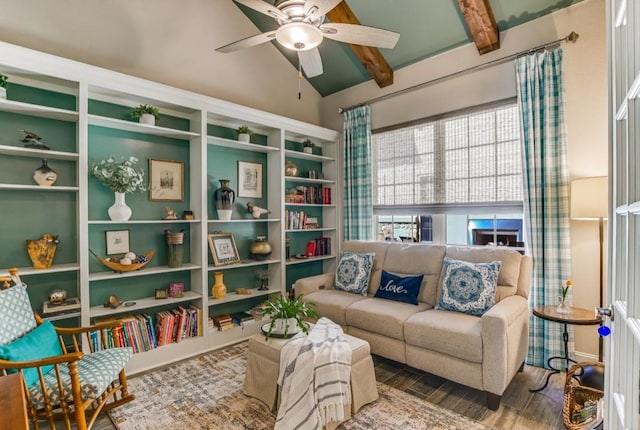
(60, 381)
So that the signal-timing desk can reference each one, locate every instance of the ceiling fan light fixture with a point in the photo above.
(299, 36)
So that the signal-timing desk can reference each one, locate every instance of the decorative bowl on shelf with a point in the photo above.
(119, 267)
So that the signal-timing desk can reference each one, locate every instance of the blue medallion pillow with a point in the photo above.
(401, 289)
(352, 274)
(468, 287)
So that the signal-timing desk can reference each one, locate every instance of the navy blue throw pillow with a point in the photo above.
(401, 289)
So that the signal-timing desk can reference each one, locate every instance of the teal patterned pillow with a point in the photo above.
(468, 287)
(353, 272)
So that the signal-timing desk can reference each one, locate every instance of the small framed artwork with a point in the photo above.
(249, 179)
(117, 241)
(166, 180)
(176, 289)
(161, 293)
(223, 249)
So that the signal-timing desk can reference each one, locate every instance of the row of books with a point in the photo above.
(310, 195)
(227, 321)
(143, 333)
(319, 247)
(298, 220)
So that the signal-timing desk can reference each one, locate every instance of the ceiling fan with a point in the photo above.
(302, 28)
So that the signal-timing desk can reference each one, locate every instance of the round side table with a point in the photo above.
(578, 316)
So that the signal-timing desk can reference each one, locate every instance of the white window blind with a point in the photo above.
(470, 158)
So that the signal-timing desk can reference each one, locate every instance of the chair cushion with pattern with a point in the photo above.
(16, 315)
(96, 370)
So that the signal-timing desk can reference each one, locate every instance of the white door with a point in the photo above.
(623, 346)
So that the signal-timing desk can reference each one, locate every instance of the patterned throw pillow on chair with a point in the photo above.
(468, 287)
(353, 272)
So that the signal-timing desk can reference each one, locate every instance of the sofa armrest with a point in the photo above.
(314, 283)
(505, 339)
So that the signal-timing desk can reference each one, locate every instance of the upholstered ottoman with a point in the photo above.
(263, 364)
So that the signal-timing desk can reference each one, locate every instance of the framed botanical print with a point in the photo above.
(117, 241)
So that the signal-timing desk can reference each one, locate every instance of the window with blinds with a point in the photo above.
(469, 158)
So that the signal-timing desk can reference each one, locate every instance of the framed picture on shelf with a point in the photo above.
(117, 241)
(223, 249)
(176, 289)
(249, 179)
(166, 180)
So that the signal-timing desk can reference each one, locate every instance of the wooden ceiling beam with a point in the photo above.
(481, 24)
(370, 57)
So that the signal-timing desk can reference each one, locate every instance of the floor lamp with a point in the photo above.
(589, 201)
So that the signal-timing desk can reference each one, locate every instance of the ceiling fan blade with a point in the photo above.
(311, 62)
(319, 7)
(264, 7)
(248, 42)
(360, 35)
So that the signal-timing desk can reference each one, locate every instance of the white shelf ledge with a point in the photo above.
(147, 221)
(233, 297)
(235, 144)
(145, 271)
(56, 268)
(240, 221)
(304, 156)
(37, 153)
(52, 188)
(140, 304)
(136, 127)
(244, 263)
(38, 110)
(302, 230)
(308, 260)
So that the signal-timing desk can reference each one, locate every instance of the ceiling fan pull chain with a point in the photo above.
(299, 80)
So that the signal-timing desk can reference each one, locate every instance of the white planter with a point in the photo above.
(147, 118)
(243, 137)
(307, 149)
(3, 93)
(119, 211)
(225, 214)
(289, 325)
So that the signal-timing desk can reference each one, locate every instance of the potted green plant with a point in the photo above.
(288, 315)
(3, 86)
(146, 114)
(244, 133)
(307, 146)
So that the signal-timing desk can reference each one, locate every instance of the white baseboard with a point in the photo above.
(584, 356)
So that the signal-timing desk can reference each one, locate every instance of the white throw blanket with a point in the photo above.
(314, 378)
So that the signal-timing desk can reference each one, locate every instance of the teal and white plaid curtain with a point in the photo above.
(358, 191)
(546, 192)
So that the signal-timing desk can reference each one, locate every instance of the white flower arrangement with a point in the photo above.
(119, 176)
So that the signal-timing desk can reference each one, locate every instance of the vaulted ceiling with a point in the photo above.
(426, 27)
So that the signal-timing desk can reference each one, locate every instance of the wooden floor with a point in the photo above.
(519, 410)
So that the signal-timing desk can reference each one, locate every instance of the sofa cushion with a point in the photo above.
(382, 316)
(468, 287)
(509, 271)
(352, 274)
(379, 249)
(417, 259)
(398, 288)
(333, 303)
(452, 333)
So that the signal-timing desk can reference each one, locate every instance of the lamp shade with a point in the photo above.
(589, 198)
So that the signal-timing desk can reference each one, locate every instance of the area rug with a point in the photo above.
(206, 393)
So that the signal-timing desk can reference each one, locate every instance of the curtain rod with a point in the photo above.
(571, 37)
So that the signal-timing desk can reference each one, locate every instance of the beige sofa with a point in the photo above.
(481, 352)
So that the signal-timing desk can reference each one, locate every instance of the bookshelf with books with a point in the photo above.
(83, 114)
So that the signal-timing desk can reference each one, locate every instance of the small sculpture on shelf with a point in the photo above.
(256, 211)
(113, 302)
(170, 214)
(44, 175)
(32, 140)
(42, 251)
(263, 277)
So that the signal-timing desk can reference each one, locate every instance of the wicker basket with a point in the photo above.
(576, 394)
